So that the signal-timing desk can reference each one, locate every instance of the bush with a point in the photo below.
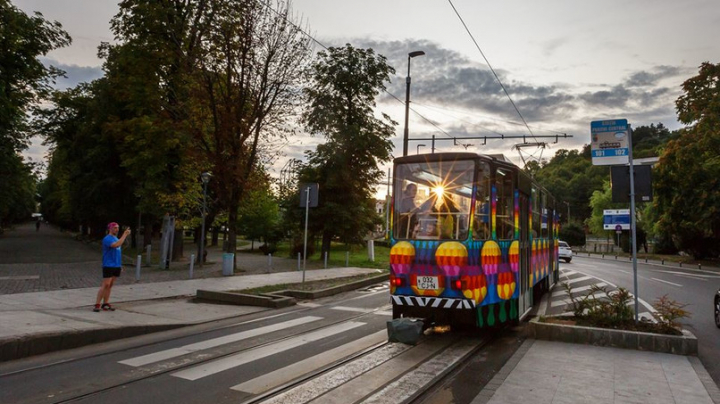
(573, 234)
(669, 312)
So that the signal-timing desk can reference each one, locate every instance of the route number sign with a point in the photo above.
(609, 142)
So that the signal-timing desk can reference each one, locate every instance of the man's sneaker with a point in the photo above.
(96, 308)
(107, 307)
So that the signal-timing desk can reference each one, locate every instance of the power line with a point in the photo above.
(491, 68)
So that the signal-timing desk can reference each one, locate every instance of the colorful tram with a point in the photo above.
(474, 240)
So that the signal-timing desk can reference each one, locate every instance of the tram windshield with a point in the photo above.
(432, 200)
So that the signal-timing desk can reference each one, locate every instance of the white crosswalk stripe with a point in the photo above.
(219, 365)
(183, 350)
(297, 369)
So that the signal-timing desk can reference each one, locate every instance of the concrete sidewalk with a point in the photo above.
(38, 322)
(556, 372)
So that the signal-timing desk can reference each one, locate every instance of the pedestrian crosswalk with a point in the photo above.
(340, 355)
(581, 284)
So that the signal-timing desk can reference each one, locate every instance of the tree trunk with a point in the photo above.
(147, 233)
(327, 238)
(215, 235)
(178, 243)
(232, 226)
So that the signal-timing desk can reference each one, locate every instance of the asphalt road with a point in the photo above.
(691, 286)
(247, 358)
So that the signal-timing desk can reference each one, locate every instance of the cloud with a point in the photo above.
(652, 77)
(74, 74)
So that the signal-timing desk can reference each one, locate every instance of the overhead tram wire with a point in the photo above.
(267, 5)
(474, 115)
(491, 68)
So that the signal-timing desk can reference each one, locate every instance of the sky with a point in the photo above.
(563, 63)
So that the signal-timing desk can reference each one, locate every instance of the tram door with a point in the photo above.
(525, 301)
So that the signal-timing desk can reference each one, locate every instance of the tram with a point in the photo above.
(474, 240)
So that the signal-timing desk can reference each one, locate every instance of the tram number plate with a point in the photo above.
(427, 282)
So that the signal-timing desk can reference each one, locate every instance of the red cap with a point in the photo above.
(112, 224)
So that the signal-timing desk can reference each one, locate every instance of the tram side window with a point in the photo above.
(481, 219)
(535, 231)
(504, 185)
(545, 227)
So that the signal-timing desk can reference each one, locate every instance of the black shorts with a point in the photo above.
(109, 272)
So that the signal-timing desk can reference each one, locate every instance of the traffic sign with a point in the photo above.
(618, 229)
(614, 218)
(609, 142)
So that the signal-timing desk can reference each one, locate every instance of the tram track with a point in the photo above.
(174, 369)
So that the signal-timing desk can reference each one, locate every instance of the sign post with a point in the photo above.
(611, 144)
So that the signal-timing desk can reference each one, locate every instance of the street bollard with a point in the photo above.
(699, 266)
(192, 264)
(603, 256)
(616, 258)
(299, 267)
(680, 264)
(137, 268)
(347, 259)
(646, 260)
(326, 257)
(148, 257)
(269, 263)
(662, 261)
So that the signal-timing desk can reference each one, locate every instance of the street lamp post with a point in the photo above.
(205, 179)
(568, 206)
(407, 100)
(418, 148)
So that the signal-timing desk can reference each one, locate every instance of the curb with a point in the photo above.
(30, 345)
(284, 298)
(685, 344)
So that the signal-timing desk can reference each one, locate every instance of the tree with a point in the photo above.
(259, 215)
(253, 64)
(341, 99)
(687, 178)
(24, 82)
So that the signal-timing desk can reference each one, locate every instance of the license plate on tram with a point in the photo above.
(427, 282)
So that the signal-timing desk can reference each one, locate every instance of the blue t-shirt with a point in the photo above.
(112, 257)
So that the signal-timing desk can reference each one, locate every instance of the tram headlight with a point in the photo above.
(439, 191)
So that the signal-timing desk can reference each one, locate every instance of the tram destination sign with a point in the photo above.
(609, 142)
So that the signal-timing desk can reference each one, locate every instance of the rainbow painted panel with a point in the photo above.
(488, 269)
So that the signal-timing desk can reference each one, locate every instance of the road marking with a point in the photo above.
(576, 280)
(557, 303)
(578, 290)
(219, 365)
(353, 309)
(669, 283)
(211, 343)
(309, 305)
(625, 272)
(687, 274)
(695, 277)
(20, 278)
(280, 376)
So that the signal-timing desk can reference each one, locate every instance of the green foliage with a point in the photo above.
(570, 177)
(687, 178)
(670, 311)
(573, 234)
(24, 82)
(259, 216)
(610, 312)
(341, 100)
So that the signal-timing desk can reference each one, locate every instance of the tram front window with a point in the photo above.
(432, 200)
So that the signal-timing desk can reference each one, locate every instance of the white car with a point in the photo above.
(565, 252)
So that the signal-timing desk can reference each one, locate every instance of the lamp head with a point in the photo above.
(415, 53)
(205, 177)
